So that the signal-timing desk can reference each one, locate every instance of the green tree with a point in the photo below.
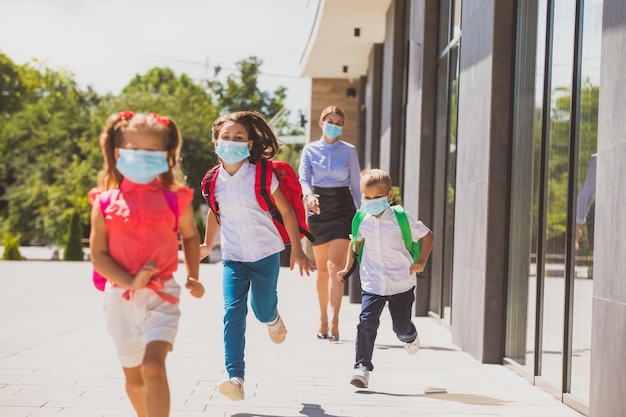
(12, 88)
(49, 146)
(241, 90)
(11, 248)
(38, 145)
(74, 239)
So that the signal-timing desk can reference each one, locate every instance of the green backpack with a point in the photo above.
(405, 228)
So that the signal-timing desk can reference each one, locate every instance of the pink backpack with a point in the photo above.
(105, 199)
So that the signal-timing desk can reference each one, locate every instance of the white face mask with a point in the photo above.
(375, 206)
(232, 152)
(331, 131)
(141, 166)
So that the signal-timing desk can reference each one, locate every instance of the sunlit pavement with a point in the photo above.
(56, 358)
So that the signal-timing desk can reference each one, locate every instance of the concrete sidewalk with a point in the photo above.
(56, 359)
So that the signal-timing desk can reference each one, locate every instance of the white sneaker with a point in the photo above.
(232, 388)
(361, 376)
(412, 347)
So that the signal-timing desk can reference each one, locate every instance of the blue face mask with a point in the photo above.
(375, 206)
(232, 152)
(141, 166)
(331, 131)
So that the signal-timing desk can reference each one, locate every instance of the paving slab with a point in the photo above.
(56, 358)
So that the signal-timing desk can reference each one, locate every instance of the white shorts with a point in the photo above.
(142, 319)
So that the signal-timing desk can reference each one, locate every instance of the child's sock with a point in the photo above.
(274, 325)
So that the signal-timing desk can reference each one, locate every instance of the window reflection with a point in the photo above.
(585, 201)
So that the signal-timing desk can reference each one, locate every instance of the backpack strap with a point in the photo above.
(172, 201)
(356, 222)
(208, 190)
(263, 186)
(405, 228)
(357, 252)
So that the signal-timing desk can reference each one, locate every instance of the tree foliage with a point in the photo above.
(241, 90)
(49, 136)
(74, 245)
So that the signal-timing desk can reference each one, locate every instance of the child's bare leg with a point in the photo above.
(136, 390)
(155, 377)
(321, 260)
(336, 261)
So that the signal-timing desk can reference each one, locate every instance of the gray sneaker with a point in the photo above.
(412, 347)
(361, 376)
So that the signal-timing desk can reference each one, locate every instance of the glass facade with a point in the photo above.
(551, 223)
(445, 156)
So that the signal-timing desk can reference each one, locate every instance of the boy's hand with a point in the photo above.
(195, 287)
(417, 267)
(144, 275)
(304, 263)
(341, 274)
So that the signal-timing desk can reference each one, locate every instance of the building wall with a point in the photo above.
(482, 181)
(468, 291)
(608, 352)
(420, 124)
(333, 92)
(393, 88)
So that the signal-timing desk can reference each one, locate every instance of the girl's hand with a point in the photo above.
(304, 263)
(417, 267)
(144, 275)
(205, 250)
(195, 287)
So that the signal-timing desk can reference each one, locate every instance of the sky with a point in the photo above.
(104, 43)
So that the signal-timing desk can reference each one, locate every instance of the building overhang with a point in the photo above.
(334, 50)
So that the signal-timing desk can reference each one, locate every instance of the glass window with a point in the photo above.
(557, 192)
(526, 164)
(585, 201)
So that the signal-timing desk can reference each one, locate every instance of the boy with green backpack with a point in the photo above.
(386, 241)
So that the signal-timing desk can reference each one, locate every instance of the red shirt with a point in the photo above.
(141, 226)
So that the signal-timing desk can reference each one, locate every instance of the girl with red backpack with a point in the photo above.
(250, 241)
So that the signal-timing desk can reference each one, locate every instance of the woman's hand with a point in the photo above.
(313, 203)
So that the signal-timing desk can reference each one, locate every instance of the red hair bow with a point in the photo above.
(163, 120)
(125, 115)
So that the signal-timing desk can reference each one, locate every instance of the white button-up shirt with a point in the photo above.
(386, 262)
(247, 233)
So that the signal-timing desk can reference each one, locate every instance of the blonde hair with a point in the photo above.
(118, 125)
(333, 109)
(371, 177)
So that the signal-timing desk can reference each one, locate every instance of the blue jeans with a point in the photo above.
(400, 306)
(260, 279)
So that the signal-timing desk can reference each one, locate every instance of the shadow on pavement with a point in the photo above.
(309, 410)
(422, 347)
(444, 396)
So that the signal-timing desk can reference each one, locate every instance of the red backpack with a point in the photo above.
(287, 183)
